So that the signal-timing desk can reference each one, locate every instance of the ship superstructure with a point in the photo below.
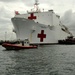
(39, 27)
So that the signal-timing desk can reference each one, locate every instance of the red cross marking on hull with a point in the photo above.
(31, 17)
(41, 36)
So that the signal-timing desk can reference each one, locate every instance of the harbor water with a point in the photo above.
(46, 60)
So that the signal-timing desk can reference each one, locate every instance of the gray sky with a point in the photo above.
(64, 8)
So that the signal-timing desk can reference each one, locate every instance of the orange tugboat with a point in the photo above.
(22, 45)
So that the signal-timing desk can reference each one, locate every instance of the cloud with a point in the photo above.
(68, 19)
(28, 3)
(5, 22)
(9, 1)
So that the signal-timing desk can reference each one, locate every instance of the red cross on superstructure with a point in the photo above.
(41, 35)
(31, 17)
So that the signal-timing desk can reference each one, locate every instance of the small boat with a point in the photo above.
(21, 45)
(69, 41)
(16, 47)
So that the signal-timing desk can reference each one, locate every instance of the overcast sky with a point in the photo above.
(64, 8)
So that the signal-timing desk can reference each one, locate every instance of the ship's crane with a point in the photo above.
(65, 29)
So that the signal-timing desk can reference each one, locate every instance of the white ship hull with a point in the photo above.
(37, 33)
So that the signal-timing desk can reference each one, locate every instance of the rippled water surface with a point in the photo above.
(46, 60)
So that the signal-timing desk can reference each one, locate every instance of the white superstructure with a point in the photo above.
(39, 27)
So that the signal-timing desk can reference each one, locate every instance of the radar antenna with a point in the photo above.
(36, 3)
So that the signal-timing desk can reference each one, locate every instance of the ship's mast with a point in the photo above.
(36, 5)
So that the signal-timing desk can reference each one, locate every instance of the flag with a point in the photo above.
(17, 13)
